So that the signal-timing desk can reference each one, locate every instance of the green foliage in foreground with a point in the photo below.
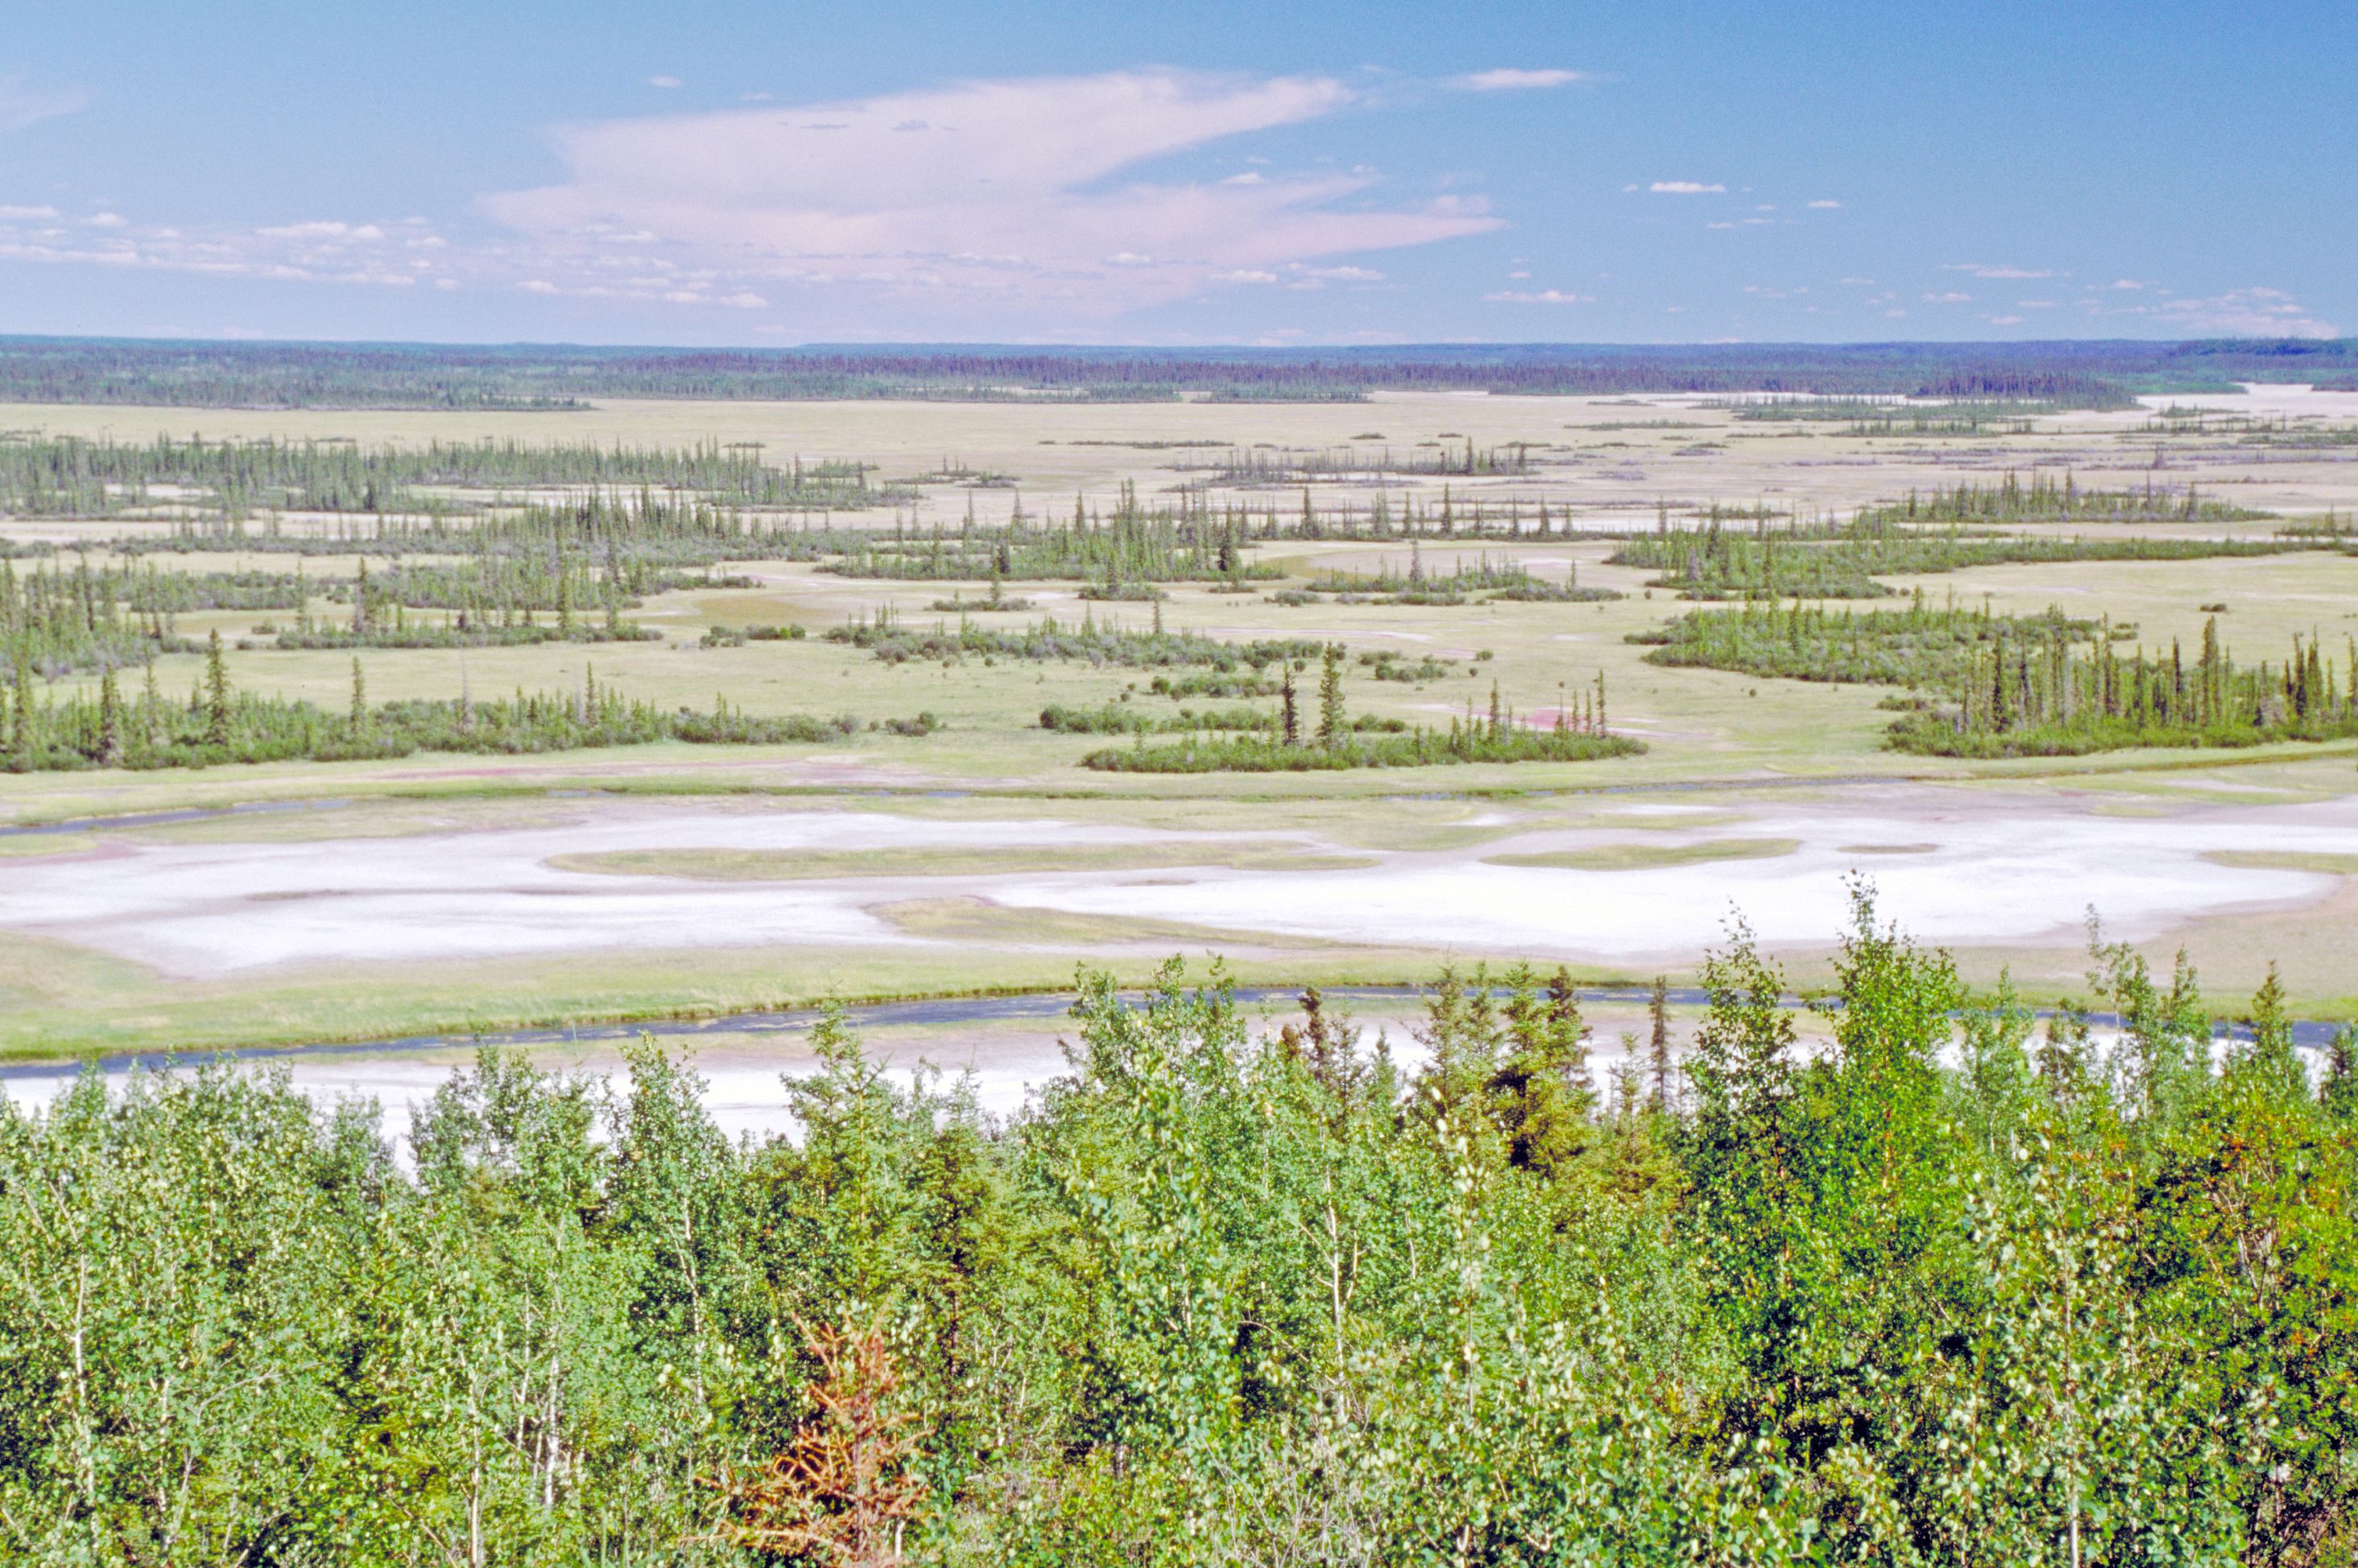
(1213, 1298)
(216, 725)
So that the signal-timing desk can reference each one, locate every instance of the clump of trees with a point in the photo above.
(1248, 467)
(1985, 685)
(1131, 546)
(637, 532)
(1091, 641)
(70, 476)
(2019, 699)
(2043, 499)
(1844, 559)
(1948, 1287)
(1924, 645)
(57, 621)
(1485, 580)
(1114, 718)
(1288, 741)
(218, 724)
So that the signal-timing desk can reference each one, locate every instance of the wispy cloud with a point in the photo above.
(1299, 275)
(1825, 204)
(1002, 194)
(1687, 188)
(1949, 297)
(24, 102)
(1540, 296)
(397, 256)
(1513, 78)
(2244, 313)
(665, 82)
(1984, 269)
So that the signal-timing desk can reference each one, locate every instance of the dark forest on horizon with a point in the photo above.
(2064, 373)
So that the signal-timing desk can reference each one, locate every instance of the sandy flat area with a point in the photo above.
(1960, 866)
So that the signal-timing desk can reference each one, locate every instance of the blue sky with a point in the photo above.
(760, 174)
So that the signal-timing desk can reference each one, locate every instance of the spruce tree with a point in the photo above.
(20, 719)
(1330, 697)
(2339, 1093)
(151, 706)
(216, 693)
(109, 721)
(1658, 1051)
(359, 716)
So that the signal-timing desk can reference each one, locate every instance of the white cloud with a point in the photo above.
(1543, 297)
(2006, 321)
(107, 221)
(327, 230)
(667, 82)
(25, 214)
(1510, 78)
(2130, 283)
(1032, 169)
(1949, 297)
(1686, 188)
(1982, 269)
(1300, 275)
(23, 104)
(1823, 204)
(2243, 312)
(1249, 176)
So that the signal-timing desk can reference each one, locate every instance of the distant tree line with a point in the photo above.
(289, 375)
(70, 476)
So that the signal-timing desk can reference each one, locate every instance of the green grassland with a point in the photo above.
(1705, 730)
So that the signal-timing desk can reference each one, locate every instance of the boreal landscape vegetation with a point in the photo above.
(1958, 1286)
(1858, 1244)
